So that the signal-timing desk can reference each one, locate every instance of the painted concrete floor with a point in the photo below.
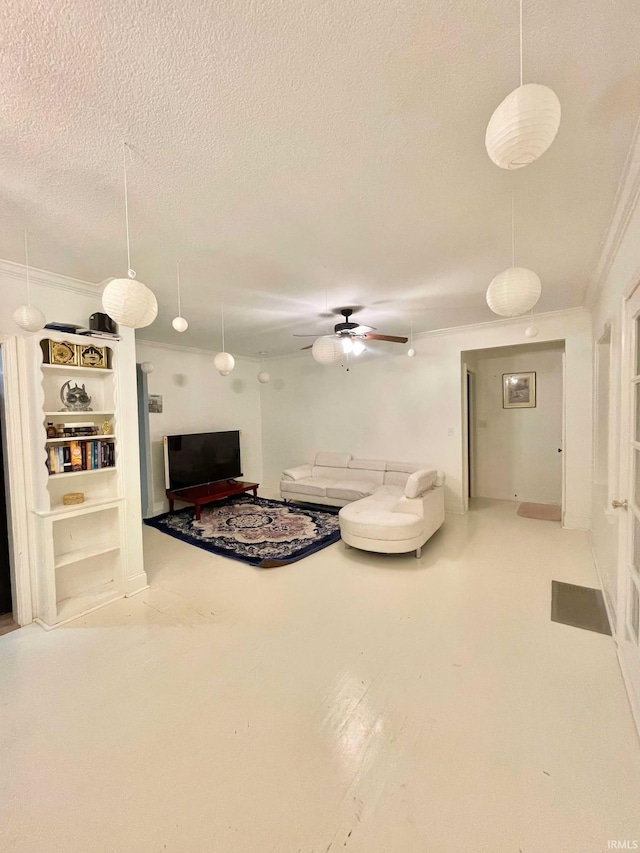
(346, 702)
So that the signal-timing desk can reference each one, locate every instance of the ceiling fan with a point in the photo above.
(353, 334)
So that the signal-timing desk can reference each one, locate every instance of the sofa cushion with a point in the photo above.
(332, 460)
(368, 464)
(316, 486)
(396, 478)
(366, 520)
(420, 482)
(350, 490)
(327, 473)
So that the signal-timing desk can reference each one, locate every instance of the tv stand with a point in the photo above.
(209, 492)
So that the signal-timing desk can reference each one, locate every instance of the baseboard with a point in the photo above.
(270, 492)
(135, 584)
(160, 507)
(632, 687)
(607, 603)
(577, 522)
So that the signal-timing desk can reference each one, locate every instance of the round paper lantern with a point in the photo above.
(29, 318)
(523, 126)
(264, 377)
(531, 331)
(179, 324)
(514, 292)
(327, 349)
(147, 367)
(130, 303)
(224, 363)
(411, 352)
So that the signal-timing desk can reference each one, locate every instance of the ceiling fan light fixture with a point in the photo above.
(357, 347)
(327, 350)
(347, 345)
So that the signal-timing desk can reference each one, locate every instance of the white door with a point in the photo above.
(628, 504)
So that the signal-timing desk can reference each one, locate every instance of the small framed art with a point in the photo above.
(518, 390)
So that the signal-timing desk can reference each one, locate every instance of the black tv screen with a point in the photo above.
(204, 457)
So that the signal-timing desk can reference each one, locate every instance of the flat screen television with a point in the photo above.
(203, 457)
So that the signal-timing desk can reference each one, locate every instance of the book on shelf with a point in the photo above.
(77, 456)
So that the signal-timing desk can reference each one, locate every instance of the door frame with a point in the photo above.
(22, 582)
(468, 410)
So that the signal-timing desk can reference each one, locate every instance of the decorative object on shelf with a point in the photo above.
(106, 428)
(100, 322)
(147, 367)
(75, 398)
(327, 350)
(224, 362)
(52, 432)
(531, 331)
(127, 301)
(59, 352)
(93, 356)
(524, 125)
(519, 390)
(73, 498)
(179, 323)
(67, 328)
(155, 404)
(28, 317)
(516, 290)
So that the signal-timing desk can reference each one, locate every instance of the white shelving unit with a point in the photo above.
(81, 551)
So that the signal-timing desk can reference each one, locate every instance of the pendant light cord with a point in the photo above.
(223, 349)
(178, 277)
(513, 234)
(26, 261)
(521, 77)
(131, 273)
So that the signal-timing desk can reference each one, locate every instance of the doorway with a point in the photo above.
(513, 423)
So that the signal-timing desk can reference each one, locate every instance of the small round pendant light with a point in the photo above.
(179, 323)
(327, 350)
(28, 317)
(224, 362)
(263, 376)
(531, 331)
(127, 301)
(524, 125)
(515, 290)
(147, 367)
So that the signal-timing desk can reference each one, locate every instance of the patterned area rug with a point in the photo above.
(264, 533)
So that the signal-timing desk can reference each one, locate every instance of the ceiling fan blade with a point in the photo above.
(360, 330)
(306, 336)
(309, 347)
(392, 338)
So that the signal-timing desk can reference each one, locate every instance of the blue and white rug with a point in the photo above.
(263, 533)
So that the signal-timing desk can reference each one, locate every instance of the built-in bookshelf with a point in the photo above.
(81, 548)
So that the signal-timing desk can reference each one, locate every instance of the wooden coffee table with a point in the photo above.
(209, 492)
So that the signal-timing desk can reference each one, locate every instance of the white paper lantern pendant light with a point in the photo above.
(327, 349)
(524, 125)
(179, 323)
(224, 362)
(264, 376)
(28, 317)
(516, 290)
(127, 301)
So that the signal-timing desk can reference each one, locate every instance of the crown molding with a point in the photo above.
(44, 278)
(193, 350)
(527, 320)
(624, 204)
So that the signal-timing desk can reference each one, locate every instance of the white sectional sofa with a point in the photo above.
(388, 507)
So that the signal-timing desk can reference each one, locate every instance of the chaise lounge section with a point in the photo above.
(387, 507)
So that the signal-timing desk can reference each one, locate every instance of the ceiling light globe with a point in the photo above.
(224, 363)
(523, 126)
(264, 377)
(29, 318)
(327, 349)
(347, 345)
(514, 292)
(130, 303)
(179, 324)
(531, 331)
(147, 367)
(357, 347)
(411, 352)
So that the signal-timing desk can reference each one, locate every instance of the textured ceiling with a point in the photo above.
(290, 152)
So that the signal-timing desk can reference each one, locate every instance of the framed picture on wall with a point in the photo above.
(518, 390)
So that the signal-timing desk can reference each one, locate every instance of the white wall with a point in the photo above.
(390, 406)
(197, 399)
(516, 450)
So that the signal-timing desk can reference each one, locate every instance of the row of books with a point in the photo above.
(81, 456)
